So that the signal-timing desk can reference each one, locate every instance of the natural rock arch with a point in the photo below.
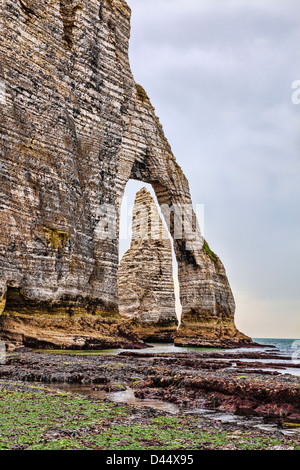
(208, 305)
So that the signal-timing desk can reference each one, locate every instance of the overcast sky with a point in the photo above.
(220, 74)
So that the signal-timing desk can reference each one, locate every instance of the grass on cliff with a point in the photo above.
(35, 418)
(209, 252)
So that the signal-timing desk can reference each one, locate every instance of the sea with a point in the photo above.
(287, 347)
(287, 350)
(280, 346)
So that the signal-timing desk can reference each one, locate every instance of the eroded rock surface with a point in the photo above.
(145, 277)
(74, 128)
(191, 380)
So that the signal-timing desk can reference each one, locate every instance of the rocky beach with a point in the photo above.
(145, 400)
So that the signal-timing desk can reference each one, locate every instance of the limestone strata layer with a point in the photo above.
(145, 276)
(74, 128)
(202, 326)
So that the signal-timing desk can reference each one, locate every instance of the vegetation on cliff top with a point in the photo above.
(209, 252)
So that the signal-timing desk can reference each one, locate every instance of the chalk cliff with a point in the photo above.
(74, 128)
(145, 276)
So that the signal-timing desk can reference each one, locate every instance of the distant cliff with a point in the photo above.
(74, 128)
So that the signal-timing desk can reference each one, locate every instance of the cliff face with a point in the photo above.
(74, 128)
(145, 276)
(209, 307)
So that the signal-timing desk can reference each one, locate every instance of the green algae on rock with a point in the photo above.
(57, 420)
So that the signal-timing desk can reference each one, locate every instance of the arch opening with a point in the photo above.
(126, 229)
